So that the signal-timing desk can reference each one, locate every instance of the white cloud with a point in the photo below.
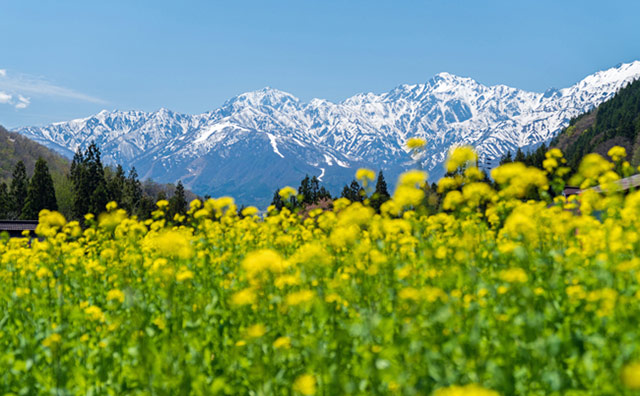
(5, 97)
(20, 85)
(22, 102)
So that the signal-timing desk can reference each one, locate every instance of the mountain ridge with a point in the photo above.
(280, 138)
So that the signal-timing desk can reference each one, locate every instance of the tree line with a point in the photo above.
(23, 198)
(533, 158)
(312, 194)
(93, 185)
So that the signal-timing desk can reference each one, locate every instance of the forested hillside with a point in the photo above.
(15, 147)
(615, 122)
(18, 177)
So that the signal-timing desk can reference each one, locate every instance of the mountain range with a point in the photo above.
(259, 141)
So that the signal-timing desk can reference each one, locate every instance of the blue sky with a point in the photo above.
(68, 59)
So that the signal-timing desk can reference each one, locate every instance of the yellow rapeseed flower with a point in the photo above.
(299, 297)
(514, 275)
(287, 192)
(365, 175)
(115, 294)
(110, 220)
(413, 178)
(460, 157)
(452, 200)
(49, 222)
(244, 297)
(416, 143)
(282, 343)
(409, 293)
(467, 390)
(173, 243)
(160, 322)
(305, 384)
(256, 331)
(249, 211)
(195, 204)
(94, 313)
(263, 260)
(616, 153)
(184, 274)
(631, 375)
(447, 183)
(52, 340)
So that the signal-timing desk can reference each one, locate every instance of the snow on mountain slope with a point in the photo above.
(261, 140)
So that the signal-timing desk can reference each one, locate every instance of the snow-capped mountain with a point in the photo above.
(259, 141)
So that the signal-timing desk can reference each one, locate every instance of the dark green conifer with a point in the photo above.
(323, 194)
(277, 200)
(87, 174)
(4, 201)
(18, 191)
(144, 207)
(305, 191)
(96, 183)
(506, 158)
(41, 194)
(353, 192)
(116, 184)
(178, 202)
(381, 193)
(77, 176)
(132, 194)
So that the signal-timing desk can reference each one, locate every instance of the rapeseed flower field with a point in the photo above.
(496, 295)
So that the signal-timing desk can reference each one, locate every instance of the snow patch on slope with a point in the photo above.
(274, 145)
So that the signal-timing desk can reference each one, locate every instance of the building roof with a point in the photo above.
(18, 225)
(624, 184)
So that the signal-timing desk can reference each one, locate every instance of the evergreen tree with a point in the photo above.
(381, 193)
(323, 194)
(18, 191)
(65, 196)
(132, 192)
(277, 201)
(353, 192)
(178, 202)
(41, 194)
(95, 180)
(116, 185)
(506, 158)
(310, 190)
(519, 156)
(90, 188)
(538, 156)
(77, 176)
(144, 207)
(314, 187)
(4, 201)
(99, 199)
(305, 191)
